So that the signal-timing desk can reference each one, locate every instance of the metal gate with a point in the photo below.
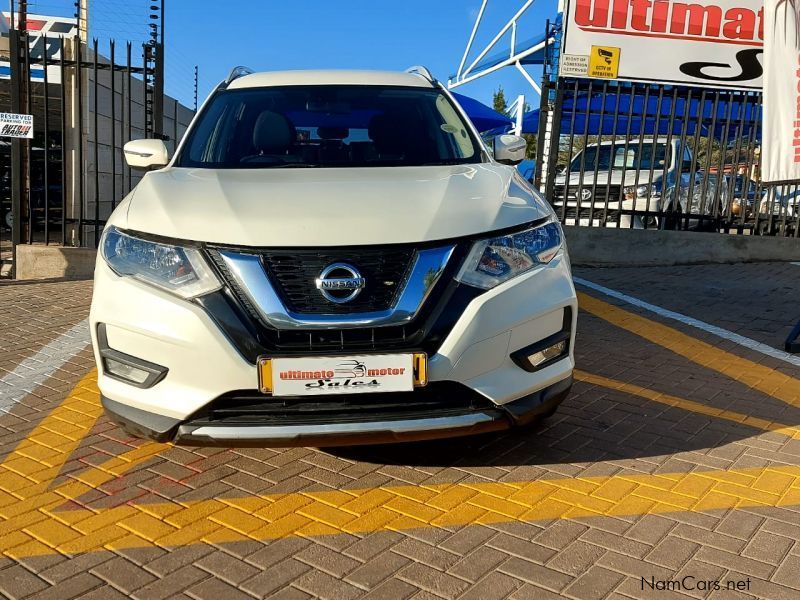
(61, 186)
(636, 155)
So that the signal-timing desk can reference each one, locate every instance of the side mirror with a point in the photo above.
(146, 154)
(509, 149)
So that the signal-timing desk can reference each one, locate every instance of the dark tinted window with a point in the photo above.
(328, 126)
(613, 157)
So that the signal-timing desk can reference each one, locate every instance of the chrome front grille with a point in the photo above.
(246, 273)
(259, 324)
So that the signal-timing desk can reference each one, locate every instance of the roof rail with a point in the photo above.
(422, 72)
(237, 72)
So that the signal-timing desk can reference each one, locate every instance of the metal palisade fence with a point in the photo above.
(86, 102)
(655, 156)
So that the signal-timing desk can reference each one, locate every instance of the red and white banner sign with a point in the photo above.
(715, 43)
(781, 134)
(39, 27)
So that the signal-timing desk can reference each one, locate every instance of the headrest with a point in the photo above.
(273, 133)
(388, 133)
(333, 133)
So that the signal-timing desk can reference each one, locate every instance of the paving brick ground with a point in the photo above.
(667, 465)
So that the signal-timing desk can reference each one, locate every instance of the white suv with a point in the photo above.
(331, 258)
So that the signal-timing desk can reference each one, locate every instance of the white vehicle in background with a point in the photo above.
(605, 183)
(778, 210)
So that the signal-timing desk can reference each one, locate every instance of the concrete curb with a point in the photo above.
(54, 262)
(606, 247)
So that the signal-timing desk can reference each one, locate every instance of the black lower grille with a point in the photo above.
(253, 338)
(294, 274)
(249, 407)
(599, 195)
(611, 216)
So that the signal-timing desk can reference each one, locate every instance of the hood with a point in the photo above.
(588, 178)
(332, 207)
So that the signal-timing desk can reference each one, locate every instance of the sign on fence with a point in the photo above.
(781, 154)
(16, 126)
(715, 43)
(48, 35)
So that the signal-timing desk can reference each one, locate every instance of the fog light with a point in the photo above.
(127, 372)
(124, 367)
(549, 353)
(543, 353)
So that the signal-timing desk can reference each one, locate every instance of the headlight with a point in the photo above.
(642, 191)
(495, 260)
(181, 271)
(776, 206)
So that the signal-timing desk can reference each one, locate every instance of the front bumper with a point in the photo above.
(204, 364)
(200, 432)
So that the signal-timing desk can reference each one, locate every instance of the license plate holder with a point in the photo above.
(282, 376)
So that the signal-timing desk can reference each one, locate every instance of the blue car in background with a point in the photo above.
(527, 168)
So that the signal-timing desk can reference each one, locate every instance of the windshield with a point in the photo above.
(610, 157)
(328, 126)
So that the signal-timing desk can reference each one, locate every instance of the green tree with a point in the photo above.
(500, 104)
(530, 150)
(499, 100)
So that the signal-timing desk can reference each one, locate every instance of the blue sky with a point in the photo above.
(307, 34)
(315, 34)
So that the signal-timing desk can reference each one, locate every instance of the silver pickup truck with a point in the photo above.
(606, 183)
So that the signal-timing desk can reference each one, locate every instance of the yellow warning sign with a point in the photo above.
(604, 62)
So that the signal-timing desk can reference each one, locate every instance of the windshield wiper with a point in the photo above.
(293, 166)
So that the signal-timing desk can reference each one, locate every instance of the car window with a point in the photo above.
(329, 126)
(618, 157)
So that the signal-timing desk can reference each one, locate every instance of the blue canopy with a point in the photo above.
(581, 115)
(535, 58)
(481, 115)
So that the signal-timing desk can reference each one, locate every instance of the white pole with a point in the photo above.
(500, 35)
(530, 79)
(83, 21)
(471, 38)
(520, 114)
(497, 67)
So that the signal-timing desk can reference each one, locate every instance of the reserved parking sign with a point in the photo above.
(16, 126)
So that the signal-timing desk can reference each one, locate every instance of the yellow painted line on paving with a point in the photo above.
(34, 520)
(689, 405)
(40, 525)
(29, 469)
(392, 508)
(37, 460)
(756, 376)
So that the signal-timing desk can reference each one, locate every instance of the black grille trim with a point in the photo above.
(615, 193)
(249, 407)
(293, 274)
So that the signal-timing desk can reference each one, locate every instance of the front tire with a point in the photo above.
(672, 220)
(549, 413)
(764, 229)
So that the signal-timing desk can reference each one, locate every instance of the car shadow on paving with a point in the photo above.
(599, 424)
(624, 428)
